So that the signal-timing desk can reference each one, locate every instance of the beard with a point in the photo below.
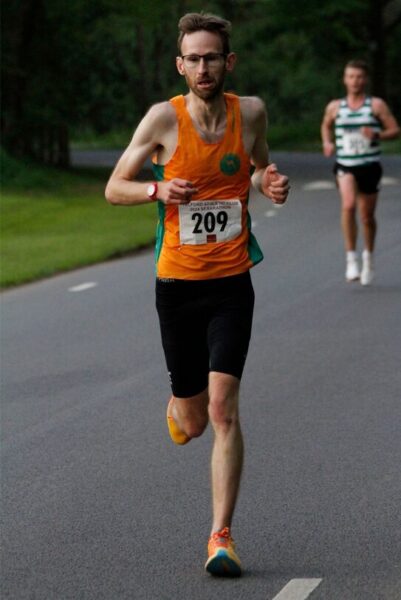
(207, 94)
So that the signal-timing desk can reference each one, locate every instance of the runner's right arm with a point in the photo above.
(151, 133)
(326, 128)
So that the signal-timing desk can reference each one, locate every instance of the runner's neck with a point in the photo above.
(355, 101)
(209, 118)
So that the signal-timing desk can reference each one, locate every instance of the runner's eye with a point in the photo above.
(212, 59)
(192, 60)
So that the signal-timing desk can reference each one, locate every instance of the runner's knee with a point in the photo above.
(194, 427)
(349, 208)
(223, 412)
(368, 218)
(193, 415)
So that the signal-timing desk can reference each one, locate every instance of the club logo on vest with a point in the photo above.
(230, 164)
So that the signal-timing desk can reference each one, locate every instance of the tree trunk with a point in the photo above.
(377, 47)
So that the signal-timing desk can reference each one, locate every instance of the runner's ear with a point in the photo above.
(230, 61)
(180, 65)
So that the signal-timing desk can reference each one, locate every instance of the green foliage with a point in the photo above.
(293, 54)
(95, 66)
(295, 136)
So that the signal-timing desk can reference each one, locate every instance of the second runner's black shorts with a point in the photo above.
(367, 176)
(205, 326)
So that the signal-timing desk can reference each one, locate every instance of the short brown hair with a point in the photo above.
(192, 22)
(358, 64)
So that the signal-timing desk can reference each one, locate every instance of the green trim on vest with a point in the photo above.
(254, 252)
(158, 172)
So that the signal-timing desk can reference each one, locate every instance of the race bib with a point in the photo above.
(354, 143)
(210, 221)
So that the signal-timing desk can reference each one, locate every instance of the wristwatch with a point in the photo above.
(152, 191)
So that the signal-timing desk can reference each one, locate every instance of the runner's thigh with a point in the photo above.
(183, 327)
(230, 327)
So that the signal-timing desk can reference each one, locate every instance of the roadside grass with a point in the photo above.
(54, 221)
(303, 136)
(291, 137)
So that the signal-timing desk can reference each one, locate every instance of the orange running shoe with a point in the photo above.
(178, 436)
(222, 559)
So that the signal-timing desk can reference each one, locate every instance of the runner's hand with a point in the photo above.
(176, 191)
(328, 149)
(368, 132)
(274, 185)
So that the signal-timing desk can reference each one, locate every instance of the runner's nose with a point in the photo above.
(203, 65)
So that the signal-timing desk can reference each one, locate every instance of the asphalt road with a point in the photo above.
(97, 501)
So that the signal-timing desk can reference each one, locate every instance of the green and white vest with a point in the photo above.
(353, 148)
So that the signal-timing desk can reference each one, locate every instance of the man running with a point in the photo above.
(204, 146)
(360, 123)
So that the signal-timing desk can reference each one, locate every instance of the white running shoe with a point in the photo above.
(352, 270)
(367, 268)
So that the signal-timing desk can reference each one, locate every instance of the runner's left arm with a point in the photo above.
(390, 129)
(266, 178)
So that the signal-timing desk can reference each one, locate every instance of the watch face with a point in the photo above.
(151, 190)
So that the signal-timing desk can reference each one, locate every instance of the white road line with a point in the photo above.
(298, 589)
(324, 184)
(270, 213)
(319, 185)
(389, 181)
(83, 286)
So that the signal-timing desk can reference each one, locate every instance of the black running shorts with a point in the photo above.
(367, 176)
(205, 326)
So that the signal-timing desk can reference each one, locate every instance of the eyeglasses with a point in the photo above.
(212, 60)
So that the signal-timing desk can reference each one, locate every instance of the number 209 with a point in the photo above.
(209, 221)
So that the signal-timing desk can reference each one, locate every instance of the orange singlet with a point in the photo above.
(211, 236)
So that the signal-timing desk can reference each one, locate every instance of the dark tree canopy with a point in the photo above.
(97, 65)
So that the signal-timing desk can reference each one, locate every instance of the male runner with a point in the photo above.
(360, 123)
(204, 145)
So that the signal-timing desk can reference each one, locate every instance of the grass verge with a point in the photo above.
(299, 137)
(54, 221)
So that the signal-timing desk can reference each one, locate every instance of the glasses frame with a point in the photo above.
(222, 55)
